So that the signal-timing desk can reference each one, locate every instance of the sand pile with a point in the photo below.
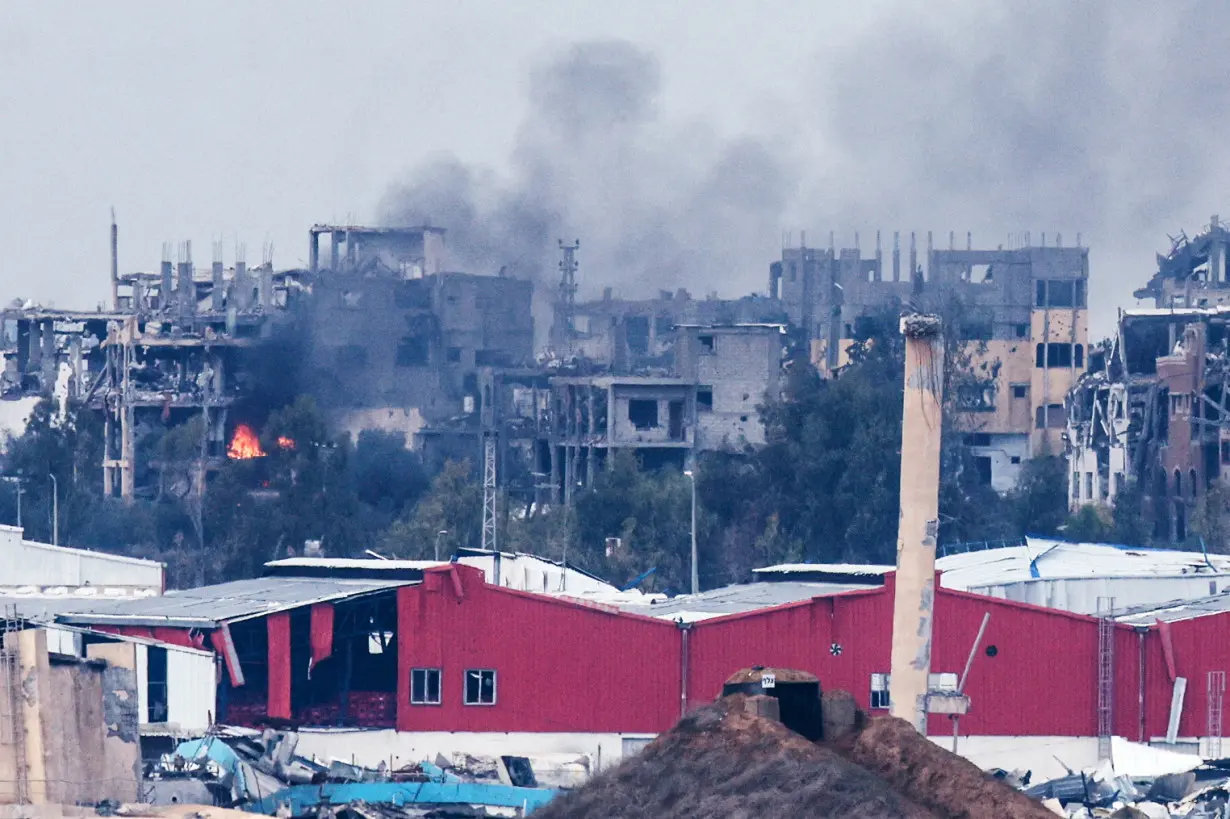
(721, 762)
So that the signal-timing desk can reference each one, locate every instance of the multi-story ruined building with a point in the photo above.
(397, 340)
(1153, 408)
(392, 338)
(1022, 309)
(709, 400)
(166, 350)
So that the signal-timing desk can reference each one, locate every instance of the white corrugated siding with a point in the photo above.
(191, 689)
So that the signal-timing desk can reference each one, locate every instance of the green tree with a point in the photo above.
(453, 505)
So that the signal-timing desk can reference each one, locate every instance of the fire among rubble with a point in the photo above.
(244, 444)
(286, 442)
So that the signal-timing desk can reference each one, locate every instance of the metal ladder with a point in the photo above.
(1106, 675)
(12, 725)
(1216, 694)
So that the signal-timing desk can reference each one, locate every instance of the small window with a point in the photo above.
(1088, 486)
(480, 687)
(454, 355)
(1014, 460)
(424, 686)
(1020, 390)
(1040, 300)
(1225, 452)
(978, 439)
(1060, 294)
(1080, 292)
(643, 413)
(879, 691)
(1050, 417)
(1022, 330)
(1078, 355)
(706, 343)
(704, 399)
(794, 272)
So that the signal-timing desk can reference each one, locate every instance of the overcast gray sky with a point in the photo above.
(724, 123)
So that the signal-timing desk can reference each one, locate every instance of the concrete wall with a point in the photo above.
(623, 431)
(77, 721)
(28, 563)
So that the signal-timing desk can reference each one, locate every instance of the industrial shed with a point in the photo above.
(438, 660)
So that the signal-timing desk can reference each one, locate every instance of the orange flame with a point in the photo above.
(286, 442)
(244, 444)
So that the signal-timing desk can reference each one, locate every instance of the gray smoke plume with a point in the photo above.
(655, 204)
(1100, 117)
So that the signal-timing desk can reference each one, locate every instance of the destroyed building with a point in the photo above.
(390, 337)
(397, 339)
(1022, 310)
(1151, 412)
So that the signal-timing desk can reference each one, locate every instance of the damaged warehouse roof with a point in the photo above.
(210, 606)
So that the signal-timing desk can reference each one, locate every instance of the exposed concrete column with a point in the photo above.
(913, 256)
(896, 256)
(50, 364)
(914, 597)
(313, 251)
(333, 250)
(187, 290)
(218, 296)
(166, 293)
(879, 259)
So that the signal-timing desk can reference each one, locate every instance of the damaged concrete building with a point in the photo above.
(1152, 410)
(397, 339)
(386, 337)
(1022, 308)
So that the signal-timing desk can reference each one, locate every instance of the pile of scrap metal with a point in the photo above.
(262, 773)
(1200, 793)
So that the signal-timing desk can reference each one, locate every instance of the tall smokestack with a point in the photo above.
(914, 597)
(115, 263)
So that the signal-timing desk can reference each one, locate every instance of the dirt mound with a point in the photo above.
(948, 784)
(721, 762)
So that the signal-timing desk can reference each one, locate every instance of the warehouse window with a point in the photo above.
(879, 690)
(424, 686)
(480, 686)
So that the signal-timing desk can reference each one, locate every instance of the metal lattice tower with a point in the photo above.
(567, 298)
(489, 493)
(1106, 675)
(1216, 694)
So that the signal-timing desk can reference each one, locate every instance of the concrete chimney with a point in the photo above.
(914, 597)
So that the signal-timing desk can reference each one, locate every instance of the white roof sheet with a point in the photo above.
(1176, 610)
(372, 563)
(1041, 558)
(826, 568)
(737, 599)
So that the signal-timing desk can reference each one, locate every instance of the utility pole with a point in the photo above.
(918, 529)
(691, 476)
(55, 510)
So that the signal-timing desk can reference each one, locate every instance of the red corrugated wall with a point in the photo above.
(1200, 646)
(1041, 681)
(561, 667)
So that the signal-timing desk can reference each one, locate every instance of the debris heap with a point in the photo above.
(725, 761)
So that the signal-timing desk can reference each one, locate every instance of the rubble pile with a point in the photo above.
(263, 774)
(726, 761)
(1202, 793)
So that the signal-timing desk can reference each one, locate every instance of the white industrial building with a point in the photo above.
(1053, 573)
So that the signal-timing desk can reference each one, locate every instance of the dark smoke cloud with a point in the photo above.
(1099, 117)
(655, 204)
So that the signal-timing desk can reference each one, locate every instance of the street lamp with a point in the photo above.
(16, 481)
(695, 572)
(55, 510)
(439, 535)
